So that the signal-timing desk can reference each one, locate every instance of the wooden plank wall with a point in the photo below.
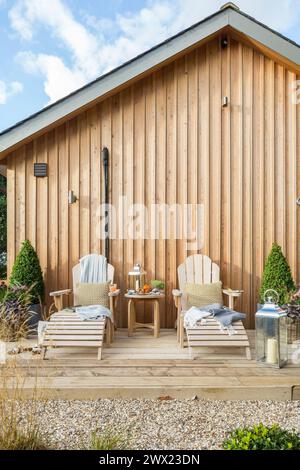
(171, 141)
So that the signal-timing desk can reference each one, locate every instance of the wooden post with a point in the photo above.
(108, 332)
(131, 316)
(156, 318)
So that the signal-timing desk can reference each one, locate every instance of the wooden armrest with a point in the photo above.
(114, 294)
(60, 292)
(176, 293)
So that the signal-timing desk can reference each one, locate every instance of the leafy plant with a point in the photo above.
(15, 312)
(262, 437)
(157, 284)
(16, 292)
(14, 321)
(108, 440)
(292, 305)
(293, 297)
(277, 275)
(27, 272)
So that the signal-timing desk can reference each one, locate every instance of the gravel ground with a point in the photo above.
(159, 424)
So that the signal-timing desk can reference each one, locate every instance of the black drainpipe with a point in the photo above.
(105, 157)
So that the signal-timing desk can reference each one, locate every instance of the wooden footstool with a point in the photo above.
(133, 324)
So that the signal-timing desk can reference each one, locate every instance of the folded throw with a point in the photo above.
(93, 312)
(93, 269)
(193, 316)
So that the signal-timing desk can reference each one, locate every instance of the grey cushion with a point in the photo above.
(91, 294)
(199, 295)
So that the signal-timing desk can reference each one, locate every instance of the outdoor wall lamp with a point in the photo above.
(224, 42)
(225, 101)
(71, 197)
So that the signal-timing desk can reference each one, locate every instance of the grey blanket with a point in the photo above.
(226, 317)
(93, 269)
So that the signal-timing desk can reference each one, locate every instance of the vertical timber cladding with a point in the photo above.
(171, 141)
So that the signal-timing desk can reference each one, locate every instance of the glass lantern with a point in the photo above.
(136, 278)
(271, 333)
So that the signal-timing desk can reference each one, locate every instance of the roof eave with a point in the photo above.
(265, 36)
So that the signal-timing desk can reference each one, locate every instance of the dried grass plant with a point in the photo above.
(19, 411)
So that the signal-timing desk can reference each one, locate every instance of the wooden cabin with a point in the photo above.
(207, 117)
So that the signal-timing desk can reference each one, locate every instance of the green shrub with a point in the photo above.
(261, 437)
(27, 272)
(277, 275)
(108, 440)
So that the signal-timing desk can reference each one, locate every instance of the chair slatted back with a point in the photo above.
(197, 269)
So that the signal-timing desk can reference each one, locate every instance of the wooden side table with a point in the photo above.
(232, 295)
(133, 324)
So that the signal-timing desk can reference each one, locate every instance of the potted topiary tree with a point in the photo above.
(27, 271)
(277, 275)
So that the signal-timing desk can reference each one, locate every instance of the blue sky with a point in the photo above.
(49, 48)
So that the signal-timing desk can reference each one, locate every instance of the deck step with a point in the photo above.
(145, 367)
(221, 388)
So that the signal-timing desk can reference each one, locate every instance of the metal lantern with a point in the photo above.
(136, 278)
(271, 332)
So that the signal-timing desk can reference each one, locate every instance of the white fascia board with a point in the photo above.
(265, 36)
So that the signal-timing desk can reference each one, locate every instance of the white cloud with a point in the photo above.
(93, 52)
(27, 15)
(19, 23)
(59, 79)
(7, 90)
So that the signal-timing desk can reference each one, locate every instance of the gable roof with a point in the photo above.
(227, 16)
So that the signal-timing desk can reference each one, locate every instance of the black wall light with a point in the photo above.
(224, 42)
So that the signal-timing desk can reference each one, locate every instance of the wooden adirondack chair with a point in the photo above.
(66, 329)
(199, 269)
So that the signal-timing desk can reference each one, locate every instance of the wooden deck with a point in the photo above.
(142, 366)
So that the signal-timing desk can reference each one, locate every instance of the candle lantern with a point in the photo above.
(271, 332)
(136, 278)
